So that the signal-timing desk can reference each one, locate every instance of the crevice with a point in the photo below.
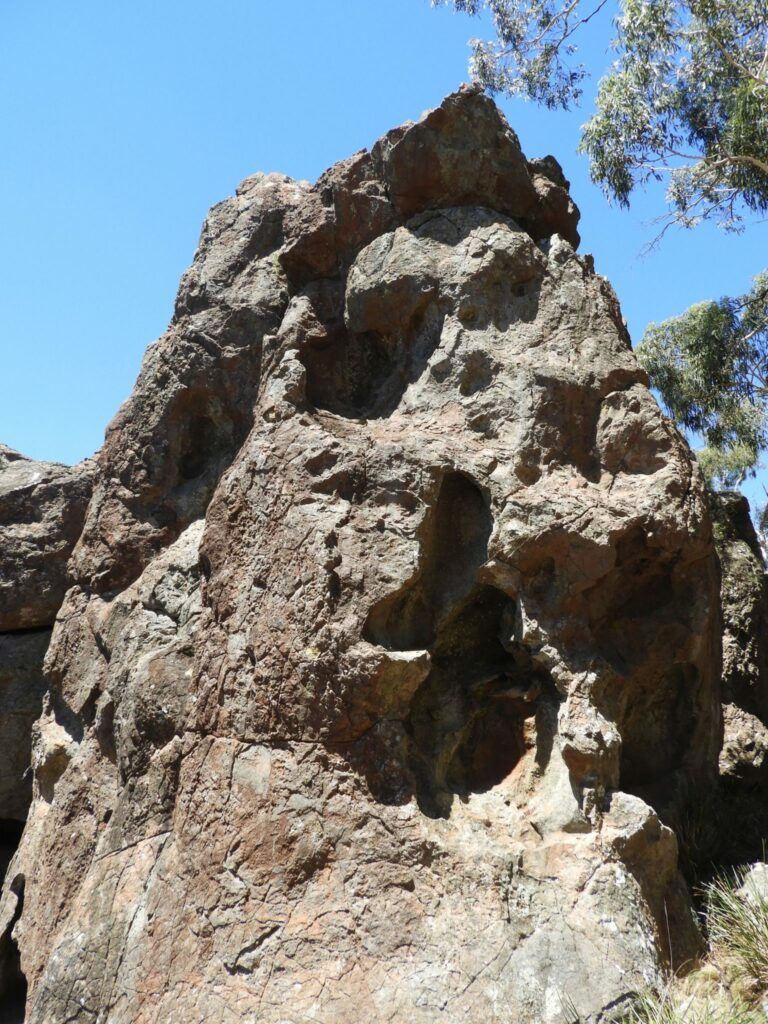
(467, 724)
(654, 705)
(29, 631)
(10, 836)
(656, 731)
(455, 536)
(13, 983)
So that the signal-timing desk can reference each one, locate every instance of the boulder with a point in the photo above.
(394, 626)
(744, 594)
(42, 509)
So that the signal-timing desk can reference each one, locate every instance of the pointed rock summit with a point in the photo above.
(390, 634)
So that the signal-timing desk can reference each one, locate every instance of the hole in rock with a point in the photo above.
(477, 373)
(13, 984)
(10, 837)
(200, 445)
(203, 431)
(657, 727)
(454, 544)
(467, 722)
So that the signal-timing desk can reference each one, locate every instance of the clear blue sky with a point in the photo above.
(122, 123)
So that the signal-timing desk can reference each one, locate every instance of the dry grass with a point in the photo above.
(737, 923)
(731, 985)
(676, 1005)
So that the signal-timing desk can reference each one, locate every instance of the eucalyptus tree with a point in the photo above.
(686, 101)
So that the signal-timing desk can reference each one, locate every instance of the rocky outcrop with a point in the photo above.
(394, 626)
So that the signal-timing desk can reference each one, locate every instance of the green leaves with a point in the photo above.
(699, 108)
(686, 102)
(532, 53)
(686, 99)
(710, 366)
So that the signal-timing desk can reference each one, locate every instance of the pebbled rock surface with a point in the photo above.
(393, 632)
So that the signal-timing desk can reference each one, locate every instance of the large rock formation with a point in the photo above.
(394, 626)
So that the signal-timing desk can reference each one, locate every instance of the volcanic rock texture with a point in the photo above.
(393, 624)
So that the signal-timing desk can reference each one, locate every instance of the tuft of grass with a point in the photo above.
(674, 1007)
(737, 923)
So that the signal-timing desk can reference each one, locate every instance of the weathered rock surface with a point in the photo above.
(395, 623)
(42, 508)
(744, 590)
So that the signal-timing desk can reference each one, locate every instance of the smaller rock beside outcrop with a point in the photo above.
(754, 888)
(744, 594)
(42, 510)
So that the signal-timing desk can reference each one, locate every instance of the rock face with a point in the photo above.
(42, 510)
(394, 625)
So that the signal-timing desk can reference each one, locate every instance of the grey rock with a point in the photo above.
(394, 628)
(42, 509)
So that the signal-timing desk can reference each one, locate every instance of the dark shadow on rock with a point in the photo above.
(365, 376)
(13, 984)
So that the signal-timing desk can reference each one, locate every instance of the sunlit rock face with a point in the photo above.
(394, 623)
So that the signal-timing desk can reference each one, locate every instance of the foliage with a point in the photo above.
(685, 101)
(737, 922)
(532, 53)
(710, 366)
(686, 98)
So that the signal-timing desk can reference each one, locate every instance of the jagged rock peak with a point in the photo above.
(392, 628)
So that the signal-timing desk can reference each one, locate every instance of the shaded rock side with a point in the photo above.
(744, 592)
(22, 690)
(42, 510)
(394, 626)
